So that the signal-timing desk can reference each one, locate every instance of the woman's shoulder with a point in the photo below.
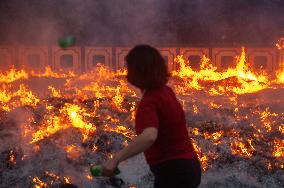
(164, 91)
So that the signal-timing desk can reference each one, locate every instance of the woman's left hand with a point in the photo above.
(109, 167)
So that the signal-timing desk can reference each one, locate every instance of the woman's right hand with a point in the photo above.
(109, 167)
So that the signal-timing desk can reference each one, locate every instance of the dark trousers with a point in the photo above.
(178, 173)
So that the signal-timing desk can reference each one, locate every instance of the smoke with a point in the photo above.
(162, 22)
(13, 128)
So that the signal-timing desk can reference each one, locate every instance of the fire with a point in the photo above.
(11, 99)
(216, 136)
(240, 79)
(76, 115)
(280, 43)
(264, 116)
(244, 149)
(213, 105)
(51, 174)
(49, 127)
(280, 74)
(195, 109)
(39, 183)
(89, 177)
(13, 75)
(278, 150)
(118, 100)
(12, 159)
(71, 112)
(195, 131)
(281, 128)
(26, 96)
(55, 93)
(67, 180)
(49, 73)
(73, 151)
(94, 147)
(269, 166)
(201, 156)
(127, 132)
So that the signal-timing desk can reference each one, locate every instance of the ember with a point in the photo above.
(51, 135)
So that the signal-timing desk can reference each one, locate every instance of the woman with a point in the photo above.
(160, 125)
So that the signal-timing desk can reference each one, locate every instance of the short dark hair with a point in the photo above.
(146, 68)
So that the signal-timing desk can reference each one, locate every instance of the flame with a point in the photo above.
(280, 43)
(51, 174)
(76, 113)
(269, 167)
(280, 74)
(216, 106)
(195, 131)
(244, 149)
(71, 112)
(242, 79)
(12, 159)
(13, 99)
(216, 136)
(94, 148)
(13, 75)
(89, 177)
(26, 96)
(127, 132)
(281, 128)
(67, 180)
(49, 127)
(55, 93)
(39, 183)
(102, 101)
(264, 117)
(49, 73)
(201, 156)
(118, 100)
(278, 150)
(195, 109)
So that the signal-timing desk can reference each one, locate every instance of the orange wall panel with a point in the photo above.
(7, 57)
(262, 56)
(94, 55)
(33, 58)
(169, 55)
(225, 57)
(67, 59)
(194, 55)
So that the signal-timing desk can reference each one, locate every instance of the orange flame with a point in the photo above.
(278, 148)
(243, 79)
(243, 149)
(280, 44)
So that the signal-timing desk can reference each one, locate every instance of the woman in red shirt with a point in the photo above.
(160, 125)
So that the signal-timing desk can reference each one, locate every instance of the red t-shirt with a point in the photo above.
(161, 109)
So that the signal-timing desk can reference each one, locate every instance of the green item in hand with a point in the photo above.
(98, 169)
(65, 42)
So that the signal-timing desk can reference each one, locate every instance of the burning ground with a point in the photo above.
(53, 126)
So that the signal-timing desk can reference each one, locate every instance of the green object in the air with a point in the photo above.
(98, 169)
(66, 42)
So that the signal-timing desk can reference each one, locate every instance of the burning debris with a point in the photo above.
(280, 43)
(51, 134)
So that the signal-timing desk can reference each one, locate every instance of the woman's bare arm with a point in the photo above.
(136, 146)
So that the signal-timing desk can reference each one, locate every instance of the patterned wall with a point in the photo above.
(83, 59)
